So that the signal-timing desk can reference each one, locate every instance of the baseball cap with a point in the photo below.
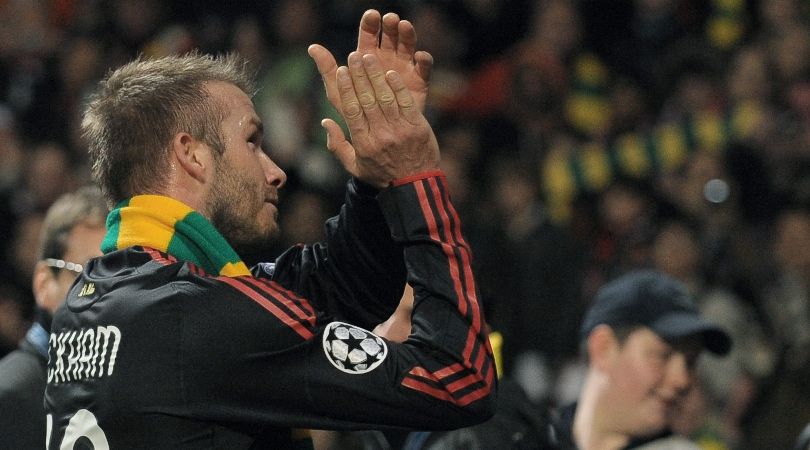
(656, 301)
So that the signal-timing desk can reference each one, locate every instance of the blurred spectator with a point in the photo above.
(621, 237)
(641, 338)
(542, 265)
(135, 21)
(20, 258)
(706, 194)
(80, 66)
(784, 406)
(71, 234)
(725, 386)
(10, 151)
(748, 76)
(14, 318)
(447, 43)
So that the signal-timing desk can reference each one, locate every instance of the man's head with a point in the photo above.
(137, 110)
(71, 234)
(185, 126)
(643, 335)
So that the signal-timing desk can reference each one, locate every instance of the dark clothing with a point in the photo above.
(22, 387)
(565, 424)
(539, 308)
(151, 352)
(518, 424)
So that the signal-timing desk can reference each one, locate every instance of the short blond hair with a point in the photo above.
(138, 108)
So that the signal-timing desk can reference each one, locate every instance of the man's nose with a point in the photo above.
(273, 173)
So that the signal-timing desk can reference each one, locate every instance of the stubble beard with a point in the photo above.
(234, 205)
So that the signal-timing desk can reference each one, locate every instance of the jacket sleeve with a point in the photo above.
(286, 365)
(357, 274)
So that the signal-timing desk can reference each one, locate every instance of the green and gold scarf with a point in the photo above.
(170, 226)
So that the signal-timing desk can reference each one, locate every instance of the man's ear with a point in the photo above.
(602, 347)
(41, 286)
(193, 156)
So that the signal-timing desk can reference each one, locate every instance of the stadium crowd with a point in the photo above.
(582, 139)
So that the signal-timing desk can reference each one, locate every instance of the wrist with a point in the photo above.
(417, 176)
(364, 188)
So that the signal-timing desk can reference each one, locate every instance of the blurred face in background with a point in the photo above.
(676, 251)
(646, 379)
(749, 78)
(792, 241)
(51, 284)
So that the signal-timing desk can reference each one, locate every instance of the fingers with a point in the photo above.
(323, 59)
(363, 88)
(350, 110)
(327, 67)
(406, 43)
(385, 95)
(407, 107)
(336, 142)
(390, 32)
(368, 37)
(424, 65)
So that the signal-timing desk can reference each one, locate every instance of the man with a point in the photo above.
(71, 234)
(169, 341)
(642, 337)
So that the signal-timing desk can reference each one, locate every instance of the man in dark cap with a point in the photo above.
(642, 337)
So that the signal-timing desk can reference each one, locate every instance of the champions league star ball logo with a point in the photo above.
(352, 349)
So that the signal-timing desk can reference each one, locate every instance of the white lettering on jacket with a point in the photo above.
(81, 354)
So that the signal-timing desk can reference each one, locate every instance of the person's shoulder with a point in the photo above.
(20, 370)
(517, 424)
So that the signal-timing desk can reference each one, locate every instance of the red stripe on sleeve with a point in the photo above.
(453, 215)
(427, 389)
(449, 370)
(292, 295)
(466, 298)
(289, 303)
(420, 371)
(433, 228)
(470, 344)
(464, 382)
(476, 394)
(479, 360)
(269, 306)
(417, 177)
(469, 293)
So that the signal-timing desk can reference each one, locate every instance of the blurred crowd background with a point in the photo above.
(581, 138)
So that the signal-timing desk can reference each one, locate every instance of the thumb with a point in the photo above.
(342, 149)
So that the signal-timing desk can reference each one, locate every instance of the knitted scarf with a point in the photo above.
(172, 227)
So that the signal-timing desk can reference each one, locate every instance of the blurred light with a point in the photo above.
(716, 191)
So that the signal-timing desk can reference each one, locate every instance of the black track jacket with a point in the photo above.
(150, 353)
